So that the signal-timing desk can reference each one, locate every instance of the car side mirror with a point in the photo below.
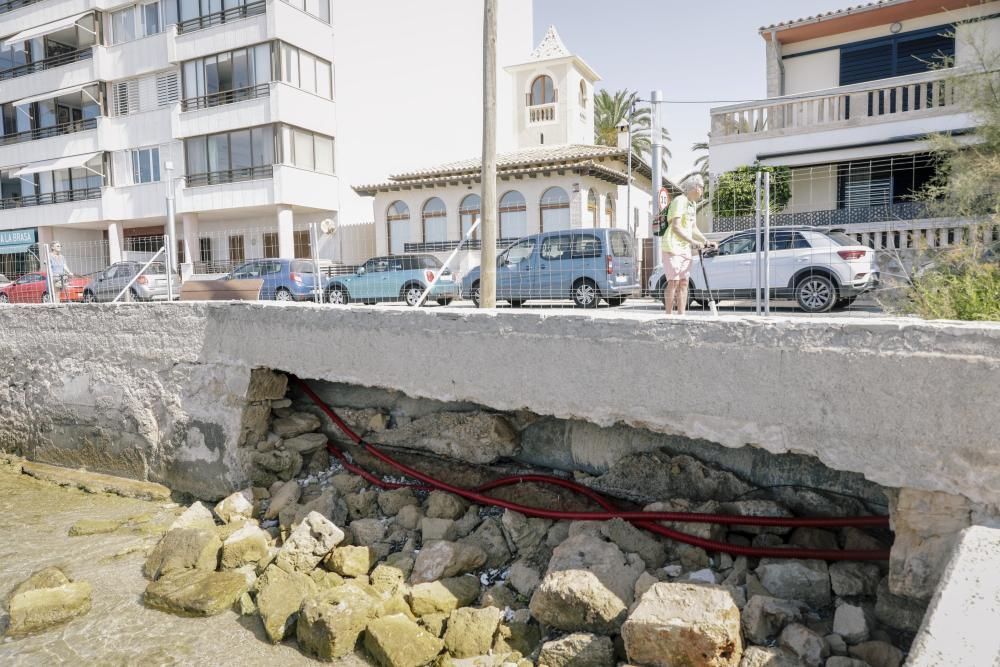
(361, 270)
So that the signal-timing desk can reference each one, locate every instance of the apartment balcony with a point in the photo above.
(263, 186)
(541, 114)
(135, 202)
(256, 105)
(875, 112)
(68, 207)
(64, 71)
(45, 143)
(136, 57)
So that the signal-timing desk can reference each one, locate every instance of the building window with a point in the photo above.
(145, 165)
(883, 181)
(205, 249)
(270, 244)
(609, 210)
(317, 8)
(134, 22)
(542, 91)
(592, 207)
(226, 157)
(434, 219)
(469, 212)
(302, 244)
(397, 226)
(237, 249)
(304, 70)
(554, 210)
(583, 94)
(307, 150)
(224, 78)
(180, 251)
(898, 55)
(513, 215)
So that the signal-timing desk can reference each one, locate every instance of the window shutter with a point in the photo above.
(866, 63)
(125, 97)
(167, 89)
(920, 54)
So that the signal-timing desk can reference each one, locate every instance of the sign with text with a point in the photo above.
(663, 199)
(17, 237)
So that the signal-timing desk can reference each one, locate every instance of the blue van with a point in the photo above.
(585, 265)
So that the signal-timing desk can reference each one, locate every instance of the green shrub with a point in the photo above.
(734, 193)
(962, 284)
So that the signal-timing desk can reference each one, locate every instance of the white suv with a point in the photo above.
(819, 267)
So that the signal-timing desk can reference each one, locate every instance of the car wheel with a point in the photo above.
(815, 294)
(281, 294)
(88, 297)
(411, 294)
(4, 298)
(338, 295)
(586, 294)
(444, 302)
(515, 303)
(615, 301)
(475, 294)
(46, 298)
(845, 302)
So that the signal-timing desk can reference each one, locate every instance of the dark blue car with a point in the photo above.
(284, 279)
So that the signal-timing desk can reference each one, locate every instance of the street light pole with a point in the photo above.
(656, 138)
(488, 198)
(171, 253)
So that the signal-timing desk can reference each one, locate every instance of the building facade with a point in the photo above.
(852, 98)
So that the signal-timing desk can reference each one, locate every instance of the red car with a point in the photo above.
(33, 288)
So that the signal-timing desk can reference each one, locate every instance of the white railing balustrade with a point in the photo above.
(542, 113)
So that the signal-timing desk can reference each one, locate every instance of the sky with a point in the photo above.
(703, 50)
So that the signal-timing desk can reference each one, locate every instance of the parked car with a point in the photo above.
(820, 268)
(394, 278)
(33, 288)
(4, 281)
(584, 265)
(150, 286)
(284, 279)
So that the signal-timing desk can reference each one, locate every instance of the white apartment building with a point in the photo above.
(852, 96)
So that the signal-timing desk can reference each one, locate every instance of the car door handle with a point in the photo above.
(802, 260)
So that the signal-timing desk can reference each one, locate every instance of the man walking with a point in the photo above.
(677, 243)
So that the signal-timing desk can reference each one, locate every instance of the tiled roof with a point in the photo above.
(833, 14)
(526, 156)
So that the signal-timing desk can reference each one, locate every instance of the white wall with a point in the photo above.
(813, 189)
(816, 71)
(409, 86)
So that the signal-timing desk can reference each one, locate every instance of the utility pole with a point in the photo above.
(171, 234)
(488, 198)
(656, 139)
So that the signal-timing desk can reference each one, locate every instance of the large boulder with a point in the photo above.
(196, 592)
(183, 549)
(877, 654)
(328, 627)
(444, 505)
(806, 580)
(806, 644)
(849, 622)
(684, 624)
(236, 507)
(475, 437)
(526, 534)
(471, 631)
(46, 599)
(579, 649)
(898, 612)
(247, 545)
(443, 597)
(446, 559)
(350, 561)
(287, 494)
(649, 477)
(759, 656)
(279, 597)
(765, 617)
(396, 641)
(489, 536)
(852, 578)
(313, 539)
(295, 424)
(633, 540)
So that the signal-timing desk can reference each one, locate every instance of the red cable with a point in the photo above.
(644, 520)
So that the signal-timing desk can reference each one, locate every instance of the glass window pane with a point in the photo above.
(190, 79)
(262, 63)
(304, 150)
(225, 69)
(263, 146)
(135, 166)
(241, 69)
(196, 155)
(399, 235)
(324, 10)
(324, 79)
(151, 18)
(145, 168)
(307, 71)
(218, 152)
(324, 154)
(239, 147)
(189, 9)
(312, 7)
(211, 75)
(154, 159)
(287, 149)
(290, 59)
(123, 25)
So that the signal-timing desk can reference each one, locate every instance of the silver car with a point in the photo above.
(150, 286)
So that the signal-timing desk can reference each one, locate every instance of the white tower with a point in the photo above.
(553, 96)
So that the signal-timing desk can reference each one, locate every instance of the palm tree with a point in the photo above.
(610, 111)
(702, 168)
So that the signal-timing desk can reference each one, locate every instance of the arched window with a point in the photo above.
(542, 91)
(609, 210)
(468, 211)
(583, 94)
(592, 208)
(434, 218)
(513, 216)
(554, 210)
(397, 219)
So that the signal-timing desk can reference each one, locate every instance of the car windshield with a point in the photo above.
(157, 268)
(301, 266)
(840, 238)
(621, 244)
(427, 262)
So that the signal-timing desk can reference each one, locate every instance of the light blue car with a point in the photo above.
(394, 278)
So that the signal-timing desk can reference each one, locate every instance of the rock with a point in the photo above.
(471, 631)
(705, 576)
(850, 623)
(651, 476)
(435, 623)
(443, 505)
(387, 578)
(738, 573)
(350, 561)
(362, 505)
(326, 503)
(195, 592)
(94, 527)
(806, 580)
(524, 578)
(526, 534)
(474, 437)
(469, 521)
(804, 643)
(305, 443)
(684, 624)
(840, 661)
(758, 656)
(500, 596)
(247, 545)
(443, 596)
(409, 517)
(898, 612)
(329, 628)
(518, 633)
(588, 586)
(852, 578)
(877, 654)
(633, 540)
(309, 543)
(287, 494)
(437, 529)
(396, 641)
(46, 599)
(767, 540)
(855, 539)
(266, 384)
(558, 534)
(708, 531)
(195, 516)
(579, 649)
(836, 643)
(295, 424)
(279, 597)
(756, 508)
(446, 559)
(390, 502)
(366, 532)
(489, 537)
(183, 549)
(283, 463)
(402, 560)
(345, 483)
(237, 507)
(764, 617)
(318, 462)
(813, 538)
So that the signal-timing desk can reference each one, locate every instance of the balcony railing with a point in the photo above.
(448, 246)
(48, 63)
(11, 5)
(225, 16)
(226, 97)
(42, 199)
(838, 217)
(542, 113)
(46, 132)
(229, 176)
(860, 104)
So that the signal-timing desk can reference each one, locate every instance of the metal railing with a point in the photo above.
(229, 176)
(42, 199)
(48, 63)
(448, 246)
(218, 18)
(46, 132)
(226, 97)
(11, 5)
(838, 217)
